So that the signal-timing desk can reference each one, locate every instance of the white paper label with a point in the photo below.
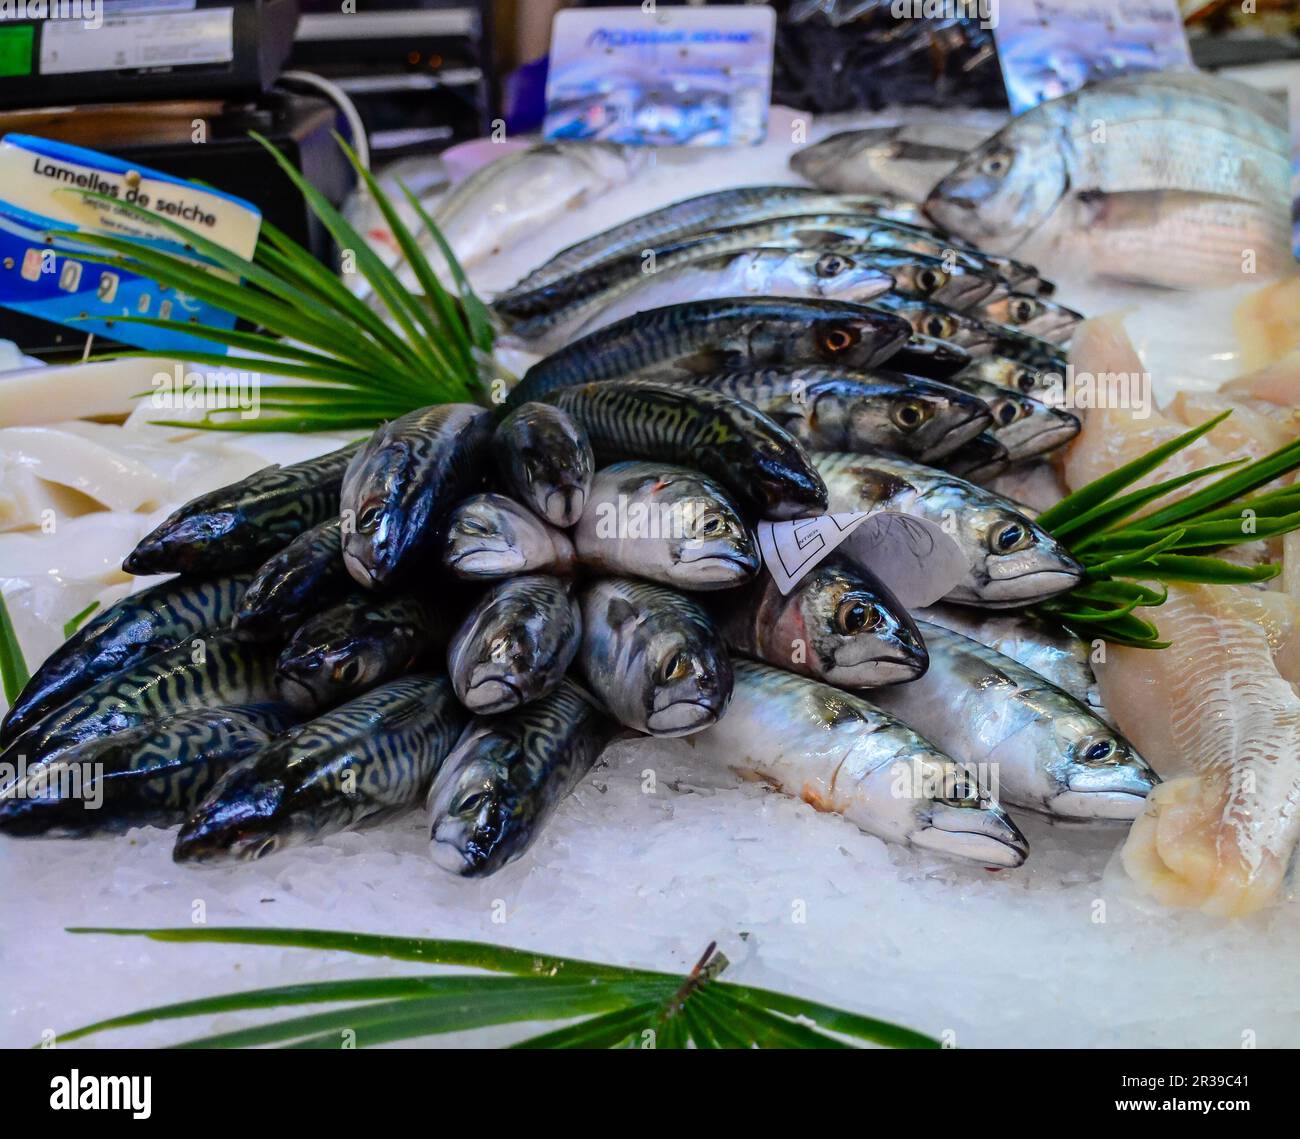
(128, 42)
(915, 559)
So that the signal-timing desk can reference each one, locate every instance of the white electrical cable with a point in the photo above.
(341, 99)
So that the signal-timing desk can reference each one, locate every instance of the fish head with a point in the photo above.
(1100, 775)
(946, 281)
(491, 536)
(383, 525)
(1006, 188)
(929, 420)
(856, 340)
(316, 675)
(833, 274)
(857, 633)
(474, 828)
(960, 819)
(1014, 560)
(184, 540)
(819, 162)
(244, 817)
(1032, 316)
(1029, 427)
(551, 460)
(710, 546)
(687, 684)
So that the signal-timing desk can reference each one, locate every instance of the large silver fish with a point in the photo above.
(1163, 178)
(1034, 316)
(491, 536)
(516, 195)
(507, 775)
(837, 409)
(142, 623)
(842, 754)
(365, 760)
(1047, 648)
(1047, 752)
(763, 467)
(665, 523)
(652, 657)
(698, 337)
(545, 459)
(839, 624)
(1012, 561)
(402, 484)
(698, 215)
(829, 275)
(906, 159)
(515, 645)
(1026, 427)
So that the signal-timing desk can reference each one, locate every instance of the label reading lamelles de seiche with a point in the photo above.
(661, 76)
(44, 187)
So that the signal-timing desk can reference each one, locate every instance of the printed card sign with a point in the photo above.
(46, 186)
(661, 76)
(917, 561)
(1048, 48)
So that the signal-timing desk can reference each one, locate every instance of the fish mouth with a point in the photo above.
(990, 838)
(296, 693)
(718, 569)
(445, 850)
(1116, 805)
(1048, 439)
(359, 571)
(962, 292)
(1016, 590)
(680, 719)
(485, 561)
(957, 435)
(564, 506)
(492, 694)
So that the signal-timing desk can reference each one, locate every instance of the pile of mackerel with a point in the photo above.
(466, 608)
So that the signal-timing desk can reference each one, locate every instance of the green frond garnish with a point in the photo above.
(608, 1006)
(13, 669)
(354, 364)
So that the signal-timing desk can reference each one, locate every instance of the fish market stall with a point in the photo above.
(874, 550)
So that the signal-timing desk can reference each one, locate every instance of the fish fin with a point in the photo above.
(834, 709)
(621, 613)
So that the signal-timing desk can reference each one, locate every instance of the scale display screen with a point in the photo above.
(16, 49)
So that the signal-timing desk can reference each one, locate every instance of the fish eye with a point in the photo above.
(911, 414)
(838, 339)
(996, 163)
(1022, 309)
(711, 525)
(1026, 381)
(1100, 752)
(471, 803)
(931, 280)
(369, 519)
(676, 667)
(265, 847)
(938, 326)
(348, 672)
(856, 615)
(830, 265)
(1010, 538)
(1006, 412)
(474, 526)
(960, 792)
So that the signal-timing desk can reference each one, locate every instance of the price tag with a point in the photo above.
(661, 76)
(1048, 48)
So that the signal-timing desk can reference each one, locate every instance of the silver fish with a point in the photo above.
(1026, 427)
(361, 642)
(697, 337)
(402, 484)
(507, 775)
(700, 214)
(921, 276)
(665, 523)
(1047, 751)
(1012, 560)
(516, 195)
(652, 657)
(1039, 383)
(490, 536)
(842, 754)
(1047, 648)
(906, 159)
(836, 409)
(515, 645)
(365, 760)
(1033, 316)
(939, 322)
(545, 459)
(839, 624)
(828, 275)
(1185, 171)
